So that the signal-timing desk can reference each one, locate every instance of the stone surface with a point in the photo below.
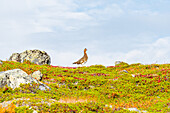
(133, 75)
(118, 62)
(13, 78)
(34, 56)
(15, 57)
(37, 75)
(125, 71)
(133, 109)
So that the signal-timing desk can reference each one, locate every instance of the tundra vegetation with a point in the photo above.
(94, 88)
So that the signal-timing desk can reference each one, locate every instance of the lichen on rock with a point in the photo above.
(34, 56)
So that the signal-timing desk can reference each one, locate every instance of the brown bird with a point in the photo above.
(83, 60)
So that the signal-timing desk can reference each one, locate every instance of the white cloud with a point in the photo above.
(106, 13)
(157, 51)
(41, 16)
(162, 42)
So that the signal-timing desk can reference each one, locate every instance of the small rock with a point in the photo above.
(61, 84)
(43, 86)
(75, 83)
(91, 86)
(133, 109)
(125, 71)
(108, 106)
(37, 75)
(133, 75)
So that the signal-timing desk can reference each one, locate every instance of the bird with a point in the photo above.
(83, 60)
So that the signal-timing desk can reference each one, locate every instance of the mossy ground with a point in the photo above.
(94, 88)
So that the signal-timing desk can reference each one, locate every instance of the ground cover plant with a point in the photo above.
(95, 88)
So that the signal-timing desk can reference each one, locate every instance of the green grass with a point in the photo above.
(92, 89)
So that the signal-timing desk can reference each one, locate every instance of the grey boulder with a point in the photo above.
(13, 78)
(34, 56)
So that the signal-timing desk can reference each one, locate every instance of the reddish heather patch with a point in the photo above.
(148, 75)
(78, 78)
(110, 66)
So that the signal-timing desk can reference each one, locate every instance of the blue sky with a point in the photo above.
(134, 31)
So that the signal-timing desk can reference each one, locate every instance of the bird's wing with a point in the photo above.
(80, 61)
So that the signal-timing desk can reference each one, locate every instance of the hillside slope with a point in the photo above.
(96, 88)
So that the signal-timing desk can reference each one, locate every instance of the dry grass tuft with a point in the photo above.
(75, 100)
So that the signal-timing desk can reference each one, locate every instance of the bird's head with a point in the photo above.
(85, 50)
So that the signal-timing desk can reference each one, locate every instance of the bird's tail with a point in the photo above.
(74, 62)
